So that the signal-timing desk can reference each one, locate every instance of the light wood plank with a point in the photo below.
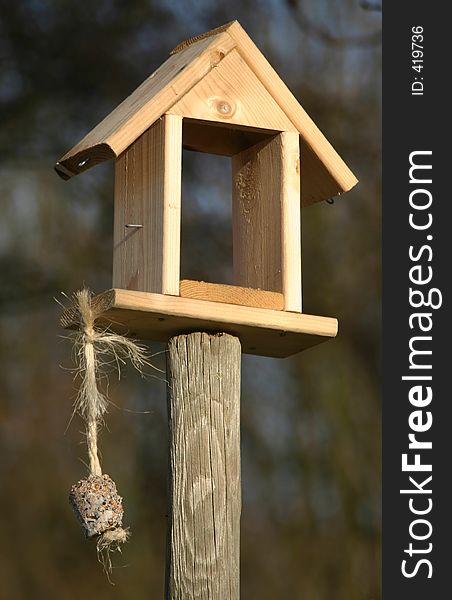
(148, 102)
(325, 173)
(266, 218)
(333, 176)
(196, 38)
(290, 221)
(256, 216)
(221, 138)
(231, 93)
(230, 294)
(204, 500)
(159, 317)
(147, 193)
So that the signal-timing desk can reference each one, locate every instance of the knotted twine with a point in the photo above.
(95, 500)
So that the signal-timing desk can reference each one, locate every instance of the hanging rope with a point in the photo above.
(95, 500)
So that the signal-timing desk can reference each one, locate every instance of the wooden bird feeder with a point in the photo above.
(217, 94)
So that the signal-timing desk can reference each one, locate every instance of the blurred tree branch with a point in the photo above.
(311, 442)
(311, 29)
(371, 6)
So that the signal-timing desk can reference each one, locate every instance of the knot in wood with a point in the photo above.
(223, 108)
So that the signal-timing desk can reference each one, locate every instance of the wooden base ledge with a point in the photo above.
(159, 317)
(230, 294)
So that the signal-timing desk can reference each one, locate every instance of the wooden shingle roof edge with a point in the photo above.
(187, 64)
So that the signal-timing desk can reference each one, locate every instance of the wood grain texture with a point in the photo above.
(148, 192)
(204, 467)
(159, 317)
(333, 176)
(231, 93)
(290, 220)
(266, 218)
(221, 138)
(325, 173)
(256, 216)
(230, 294)
(146, 104)
(201, 36)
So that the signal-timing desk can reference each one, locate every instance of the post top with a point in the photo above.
(262, 331)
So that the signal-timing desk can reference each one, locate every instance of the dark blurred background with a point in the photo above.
(310, 424)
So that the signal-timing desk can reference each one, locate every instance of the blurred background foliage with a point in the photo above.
(310, 424)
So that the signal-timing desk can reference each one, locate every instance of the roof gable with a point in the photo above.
(225, 57)
(159, 92)
(231, 93)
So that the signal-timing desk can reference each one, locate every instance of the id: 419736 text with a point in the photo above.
(417, 60)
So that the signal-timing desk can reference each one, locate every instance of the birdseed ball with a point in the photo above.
(97, 505)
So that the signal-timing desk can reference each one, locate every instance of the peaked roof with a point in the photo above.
(324, 173)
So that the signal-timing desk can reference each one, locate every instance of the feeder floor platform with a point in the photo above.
(159, 317)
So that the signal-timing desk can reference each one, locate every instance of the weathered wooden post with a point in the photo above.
(204, 472)
(216, 94)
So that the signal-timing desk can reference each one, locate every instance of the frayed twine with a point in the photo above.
(95, 349)
(108, 542)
